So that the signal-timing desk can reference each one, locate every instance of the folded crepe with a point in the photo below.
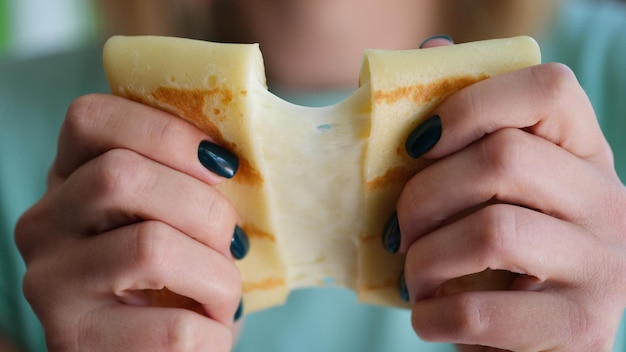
(315, 186)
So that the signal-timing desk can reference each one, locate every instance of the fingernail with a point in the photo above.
(239, 312)
(403, 291)
(424, 137)
(240, 244)
(217, 159)
(436, 36)
(391, 234)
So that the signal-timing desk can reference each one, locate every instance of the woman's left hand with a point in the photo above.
(523, 181)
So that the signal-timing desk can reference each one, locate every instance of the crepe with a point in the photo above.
(315, 186)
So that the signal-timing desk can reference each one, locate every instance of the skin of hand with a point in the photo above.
(129, 207)
(523, 180)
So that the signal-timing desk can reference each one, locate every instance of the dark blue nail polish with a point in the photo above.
(217, 159)
(240, 244)
(403, 291)
(239, 312)
(436, 36)
(391, 234)
(424, 137)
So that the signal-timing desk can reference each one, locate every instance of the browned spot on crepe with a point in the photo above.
(397, 175)
(190, 104)
(368, 237)
(385, 284)
(246, 173)
(401, 151)
(424, 93)
(266, 284)
(255, 232)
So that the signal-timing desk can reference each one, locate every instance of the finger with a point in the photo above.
(502, 237)
(503, 167)
(152, 256)
(131, 328)
(547, 100)
(121, 187)
(497, 319)
(97, 123)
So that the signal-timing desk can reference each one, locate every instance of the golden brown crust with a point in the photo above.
(191, 104)
(424, 93)
(396, 175)
(262, 285)
(257, 233)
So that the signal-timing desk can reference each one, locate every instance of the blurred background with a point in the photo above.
(36, 27)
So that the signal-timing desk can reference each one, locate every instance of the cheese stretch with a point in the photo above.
(315, 186)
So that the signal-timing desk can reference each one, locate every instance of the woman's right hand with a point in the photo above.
(130, 207)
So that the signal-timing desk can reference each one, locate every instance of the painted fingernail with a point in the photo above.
(217, 159)
(424, 137)
(391, 234)
(403, 291)
(239, 312)
(436, 36)
(240, 244)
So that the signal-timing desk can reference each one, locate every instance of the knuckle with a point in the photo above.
(179, 334)
(554, 81)
(424, 329)
(24, 234)
(31, 229)
(466, 316)
(149, 245)
(119, 173)
(471, 315)
(504, 153)
(41, 292)
(80, 115)
(499, 232)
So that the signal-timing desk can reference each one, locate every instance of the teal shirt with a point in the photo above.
(34, 96)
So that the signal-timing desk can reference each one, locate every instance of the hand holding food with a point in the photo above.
(131, 208)
(522, 181)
